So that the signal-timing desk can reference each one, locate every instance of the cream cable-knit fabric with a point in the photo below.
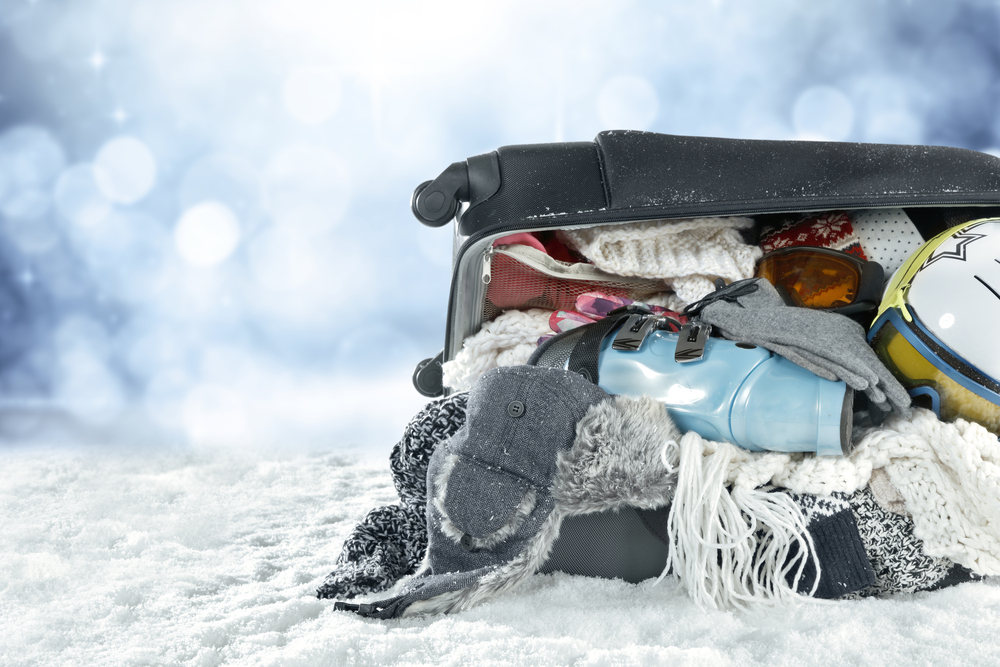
(948, 474)
(507, 340)
(687, 254)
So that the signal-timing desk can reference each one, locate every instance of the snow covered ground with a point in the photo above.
(210, 555)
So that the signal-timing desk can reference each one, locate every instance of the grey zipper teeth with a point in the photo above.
(574, 222)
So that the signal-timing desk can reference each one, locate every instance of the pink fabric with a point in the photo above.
(564, 320)
(523, 238)
(594, 306)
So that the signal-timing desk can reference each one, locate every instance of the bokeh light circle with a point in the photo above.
(226, 179)
(79, 198)
(30, 160)
(125, 170)
(207, 234)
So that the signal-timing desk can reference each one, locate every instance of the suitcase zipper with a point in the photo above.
(488, 265)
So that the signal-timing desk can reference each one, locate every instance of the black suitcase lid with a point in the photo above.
(629, 175)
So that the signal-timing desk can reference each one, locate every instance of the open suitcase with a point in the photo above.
(628, 176)
(484, 538)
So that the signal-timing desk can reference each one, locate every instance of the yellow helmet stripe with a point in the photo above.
(899, 286)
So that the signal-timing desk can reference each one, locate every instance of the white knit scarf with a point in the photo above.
(948, 474)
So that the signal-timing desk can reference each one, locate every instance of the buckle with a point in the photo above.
(634, 332)
(691, 342)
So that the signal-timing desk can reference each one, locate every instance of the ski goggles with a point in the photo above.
(824, 279)
(934, 377)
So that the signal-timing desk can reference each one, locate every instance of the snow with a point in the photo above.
(204, 556)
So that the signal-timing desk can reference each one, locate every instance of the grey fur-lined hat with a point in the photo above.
(539, 445)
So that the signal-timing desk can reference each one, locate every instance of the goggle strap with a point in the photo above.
(931, 393)
(954, 361)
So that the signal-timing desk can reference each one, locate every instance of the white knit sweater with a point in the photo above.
(687, 254)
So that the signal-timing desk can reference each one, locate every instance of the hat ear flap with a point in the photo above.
(480, 506)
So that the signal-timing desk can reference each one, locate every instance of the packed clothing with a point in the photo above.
(534, 436)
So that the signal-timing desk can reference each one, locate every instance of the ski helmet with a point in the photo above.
(937, 327)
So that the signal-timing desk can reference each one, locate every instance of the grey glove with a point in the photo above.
(830, 345)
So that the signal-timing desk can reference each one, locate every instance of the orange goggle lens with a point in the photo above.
(813, 279)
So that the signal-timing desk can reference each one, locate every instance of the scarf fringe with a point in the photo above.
(732, 548)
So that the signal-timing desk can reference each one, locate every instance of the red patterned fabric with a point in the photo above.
(824, 230)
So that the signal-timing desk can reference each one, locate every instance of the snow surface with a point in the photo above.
(210, 556)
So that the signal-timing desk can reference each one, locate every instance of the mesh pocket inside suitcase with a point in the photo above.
(515, 284)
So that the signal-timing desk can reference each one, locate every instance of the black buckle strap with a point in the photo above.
(585, 355)
(723, 292)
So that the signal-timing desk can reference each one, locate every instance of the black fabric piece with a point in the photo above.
(933, 220)
(843, 561)
(655, 521)
(391, 541)
(844, 566)
(610, 544)
(958, 574)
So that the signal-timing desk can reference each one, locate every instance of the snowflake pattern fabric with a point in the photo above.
(825, 230)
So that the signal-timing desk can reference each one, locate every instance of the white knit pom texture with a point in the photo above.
(507, 340)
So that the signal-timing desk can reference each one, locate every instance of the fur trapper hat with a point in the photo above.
(539, 445)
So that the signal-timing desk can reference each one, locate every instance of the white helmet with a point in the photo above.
(938, 328)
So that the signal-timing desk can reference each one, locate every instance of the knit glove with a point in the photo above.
(830, 345)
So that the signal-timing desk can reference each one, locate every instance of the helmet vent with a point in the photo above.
(987, 286)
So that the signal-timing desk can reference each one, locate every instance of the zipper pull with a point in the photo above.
(488, 265)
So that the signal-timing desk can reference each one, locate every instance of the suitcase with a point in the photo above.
(629, 176)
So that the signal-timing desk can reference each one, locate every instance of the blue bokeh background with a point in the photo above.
(204, 204)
